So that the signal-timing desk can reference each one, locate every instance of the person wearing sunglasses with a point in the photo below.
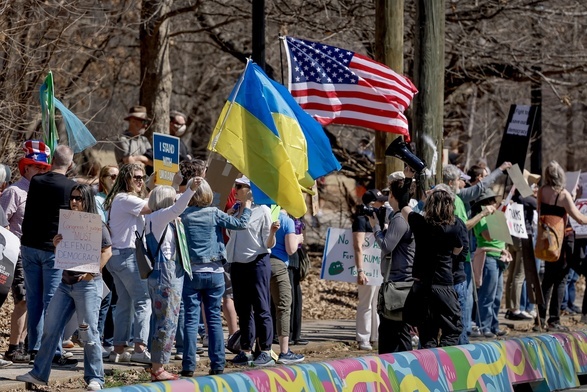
(79, 294)
(125, 206)
(106, 180)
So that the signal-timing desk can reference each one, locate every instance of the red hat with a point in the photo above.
(35, 153)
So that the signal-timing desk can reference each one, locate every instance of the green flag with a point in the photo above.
(182, 247)
(48, 114)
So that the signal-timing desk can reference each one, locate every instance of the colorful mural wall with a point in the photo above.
(549, 362)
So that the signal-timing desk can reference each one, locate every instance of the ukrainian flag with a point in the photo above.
(259, 134)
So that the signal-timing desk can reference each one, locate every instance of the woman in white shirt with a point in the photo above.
(125, 208)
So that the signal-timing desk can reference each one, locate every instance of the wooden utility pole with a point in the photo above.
(389, 50)
(429, 79)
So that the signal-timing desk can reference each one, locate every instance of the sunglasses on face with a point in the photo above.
(139, 178)
(240, 186)
(75, 198)
(112, 176)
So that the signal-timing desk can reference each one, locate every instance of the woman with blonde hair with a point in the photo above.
(166, 281)
(126, 206)
(554, 199)
(203, 227)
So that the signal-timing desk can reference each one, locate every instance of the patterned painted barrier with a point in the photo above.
(548, 362)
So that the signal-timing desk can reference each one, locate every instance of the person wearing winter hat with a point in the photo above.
(132, 145)
(13, 202)
(367, 318)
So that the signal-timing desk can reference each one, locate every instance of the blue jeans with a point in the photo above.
(41, 281)
(570, 292)
(467, 309)
(180, 327)
(490, 294)
(133, 293)
(206, 288)
(461, 289)
(83, 298)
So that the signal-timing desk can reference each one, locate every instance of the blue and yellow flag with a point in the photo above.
(265, 134)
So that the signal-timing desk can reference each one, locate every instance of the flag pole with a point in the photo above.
(238, 86)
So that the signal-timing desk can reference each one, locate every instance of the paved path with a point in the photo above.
(322, 334)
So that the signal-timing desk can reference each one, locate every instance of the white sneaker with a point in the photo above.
(124, 357)
(4, 363)
(365, 346)
(142, 357)
(179, 356)
(197, 357)
(106, 351)
(94, 386)
(67, 354)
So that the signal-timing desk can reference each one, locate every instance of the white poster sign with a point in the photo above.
(580, 230)
(82, 241)
(514, 215)
(338, 261)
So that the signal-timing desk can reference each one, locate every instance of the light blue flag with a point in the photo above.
(78, 136)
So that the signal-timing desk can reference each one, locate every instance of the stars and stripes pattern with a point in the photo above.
(338, 86)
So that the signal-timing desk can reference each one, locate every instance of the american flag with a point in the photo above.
(338, 86)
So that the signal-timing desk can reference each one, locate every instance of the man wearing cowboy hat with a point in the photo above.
(132, 145)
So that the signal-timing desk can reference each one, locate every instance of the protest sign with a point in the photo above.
(81, 246)
(9, 250)
(498, 227)
(220, 176)
(572, 182)
(338, 261)
(580, 230)
(165, 158)
(519, 181)
(514, 215)
(516, 136)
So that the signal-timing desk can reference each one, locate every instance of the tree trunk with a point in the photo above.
(389, 50)
(429, 79)
(156, 77)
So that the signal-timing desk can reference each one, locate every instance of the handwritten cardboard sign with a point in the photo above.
(338, 261)
(580, 230)
(82, 241)
(514, 215)
(9, 250)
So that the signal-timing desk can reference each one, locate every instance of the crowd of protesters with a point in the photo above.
(191, 242)
(441, 244)
(243, 262)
